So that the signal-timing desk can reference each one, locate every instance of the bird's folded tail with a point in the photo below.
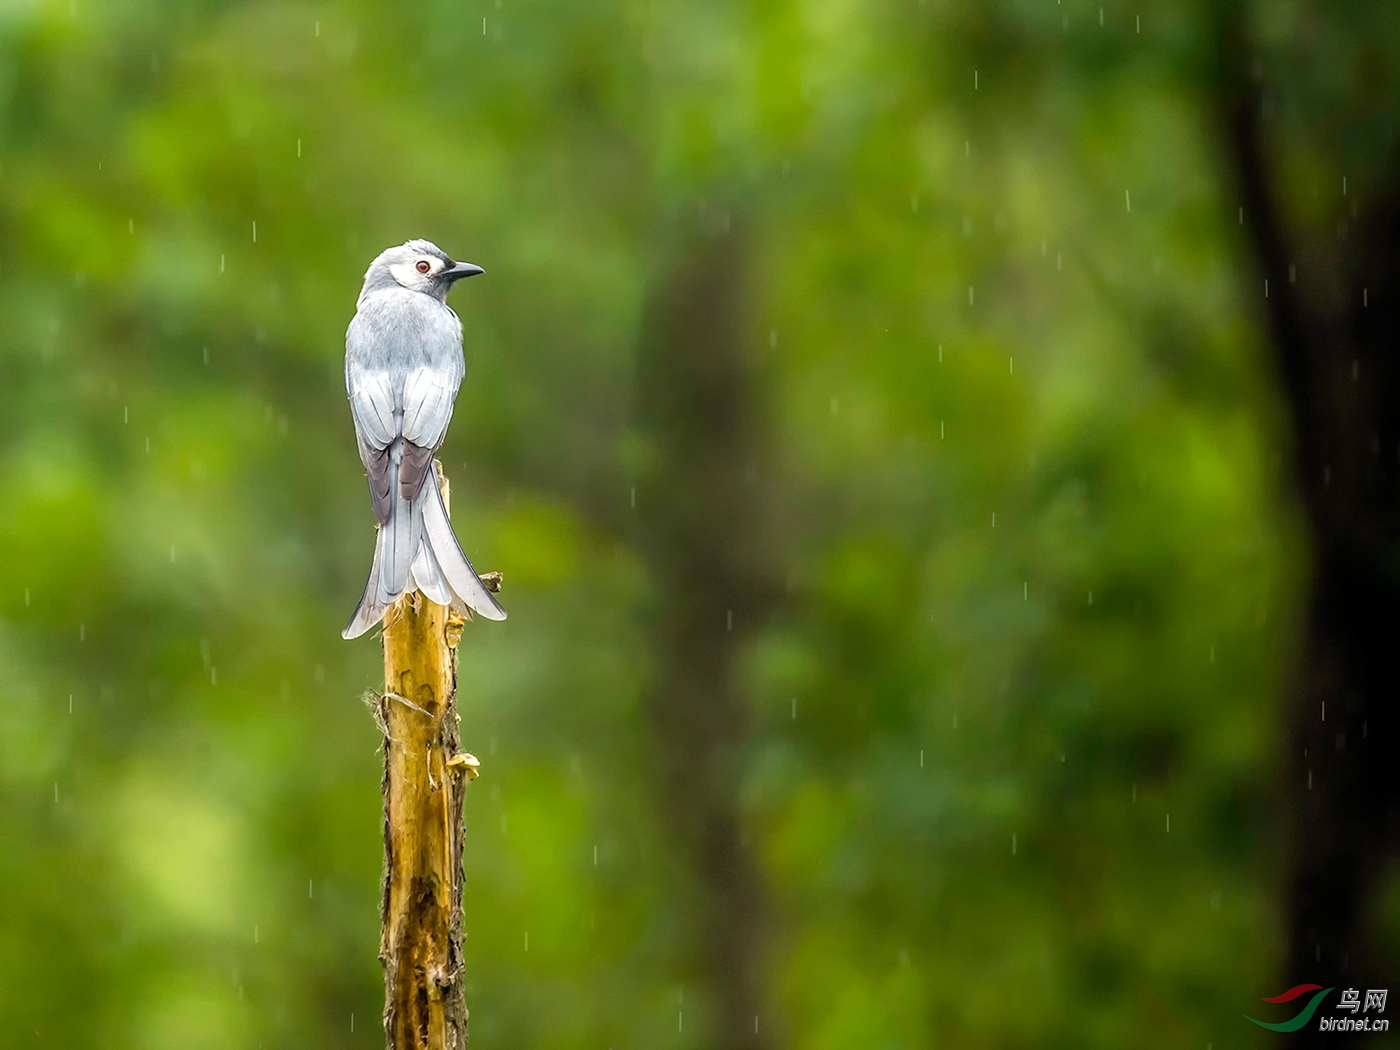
(371, 608)
(416, 549)
(425, 575)
(461, 577)
(402, 532)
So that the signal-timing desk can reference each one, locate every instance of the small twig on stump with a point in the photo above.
(425, 779)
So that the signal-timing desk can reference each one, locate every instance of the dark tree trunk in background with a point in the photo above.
(701, 521)
(1333, 311)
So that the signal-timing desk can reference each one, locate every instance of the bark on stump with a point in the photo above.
(425, 780)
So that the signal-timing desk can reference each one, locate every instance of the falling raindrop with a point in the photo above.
(26, 597)
(255, 231)
(794, 709)
(1013, 845)
(527, 940)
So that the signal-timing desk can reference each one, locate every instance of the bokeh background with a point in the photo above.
(882, 421)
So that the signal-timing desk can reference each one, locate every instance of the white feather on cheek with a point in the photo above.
(407, 276)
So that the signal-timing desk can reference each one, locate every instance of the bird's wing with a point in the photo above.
(372, 406)
(428, 395)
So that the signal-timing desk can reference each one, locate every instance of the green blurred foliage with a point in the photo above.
(1044, 574)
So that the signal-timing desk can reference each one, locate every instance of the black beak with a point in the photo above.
(457, 271)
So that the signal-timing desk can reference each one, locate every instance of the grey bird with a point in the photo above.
(403, 365)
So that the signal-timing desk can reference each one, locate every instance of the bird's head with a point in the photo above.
(419, 266)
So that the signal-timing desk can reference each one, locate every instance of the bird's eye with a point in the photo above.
(423, 266)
